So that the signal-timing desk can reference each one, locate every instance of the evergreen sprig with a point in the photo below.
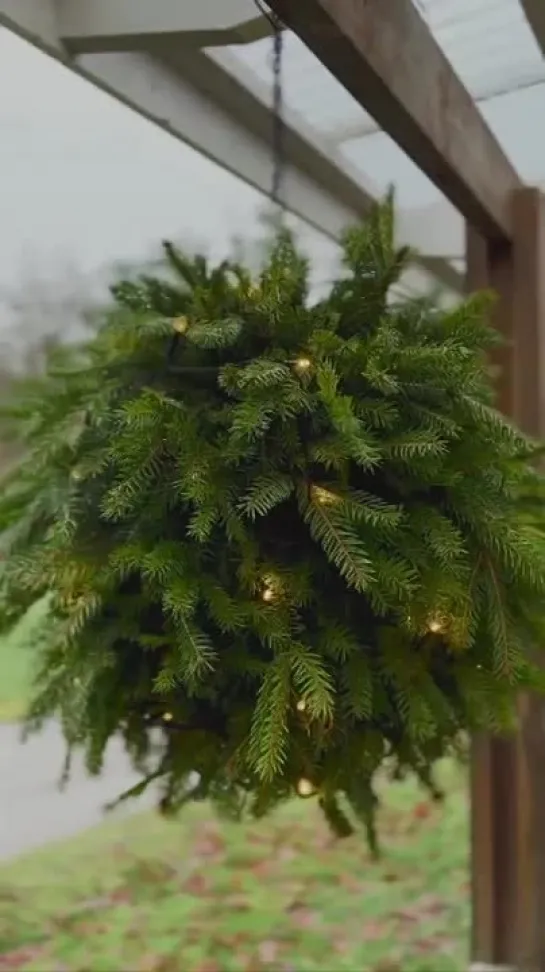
(297, 536)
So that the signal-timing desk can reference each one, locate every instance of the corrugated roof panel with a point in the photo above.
(488, 42)
(492, 49)
(309, 89)
(380, 158)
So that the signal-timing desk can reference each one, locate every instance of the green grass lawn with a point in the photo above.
(198, 895)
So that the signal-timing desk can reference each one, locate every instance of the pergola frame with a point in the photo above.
(386, 56)
(149, 55)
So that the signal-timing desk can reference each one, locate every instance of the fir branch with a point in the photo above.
(340, 543)
(307, 547)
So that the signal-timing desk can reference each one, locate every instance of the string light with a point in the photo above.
(270, 589)
(76, 475)
(323, 496)
(167, 717)
(180, 324)
(305, 788)
(301, 705)
(303, 364)
(435, 626)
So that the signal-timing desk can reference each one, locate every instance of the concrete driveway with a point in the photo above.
(33, 811)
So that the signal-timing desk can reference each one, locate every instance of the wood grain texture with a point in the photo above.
(384, 54)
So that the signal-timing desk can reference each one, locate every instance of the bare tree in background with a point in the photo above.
(42, 311)
(52, 305)
(35, 315)
(49, 307)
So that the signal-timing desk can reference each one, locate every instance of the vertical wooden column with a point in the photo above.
(508, 775)
(493, 764)
(529, 369)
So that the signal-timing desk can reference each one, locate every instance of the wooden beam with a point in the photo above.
(529, 412)
(384, 54)
(507, 780)
(228, 120)
(535, 14)
(133, 25)
(493, 795)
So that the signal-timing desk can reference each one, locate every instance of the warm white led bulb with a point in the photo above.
(303, 364)
(323, 496)
(301, 705)
(167, 717)
(180, 324)
(270, 589)
(305, 788)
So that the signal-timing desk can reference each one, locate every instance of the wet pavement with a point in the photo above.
(33, 811)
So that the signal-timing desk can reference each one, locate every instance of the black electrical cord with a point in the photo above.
(278, 121)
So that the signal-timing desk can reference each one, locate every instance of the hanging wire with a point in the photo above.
(278, 121)
(278, 105)
(276, 193)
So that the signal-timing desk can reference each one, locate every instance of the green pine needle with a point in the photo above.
(296, 535)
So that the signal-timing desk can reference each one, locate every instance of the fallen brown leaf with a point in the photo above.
(268, 951)
(374, 931)
(303, 917)
(11, 961)
(263, 868)
(208, 843)
(423, 810)
(196, 884)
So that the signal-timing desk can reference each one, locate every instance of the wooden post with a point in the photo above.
(529, 370)
(386, 56)
(508, 775)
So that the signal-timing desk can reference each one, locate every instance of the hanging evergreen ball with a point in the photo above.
(297, 542)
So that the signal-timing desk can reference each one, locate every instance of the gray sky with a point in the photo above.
(85, 180)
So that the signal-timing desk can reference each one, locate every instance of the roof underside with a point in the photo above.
(149, 54)
(494, 52)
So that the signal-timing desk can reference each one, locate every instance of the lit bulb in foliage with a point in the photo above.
(303, 365)
(323, 496)
(180, 324)
(269, 592)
